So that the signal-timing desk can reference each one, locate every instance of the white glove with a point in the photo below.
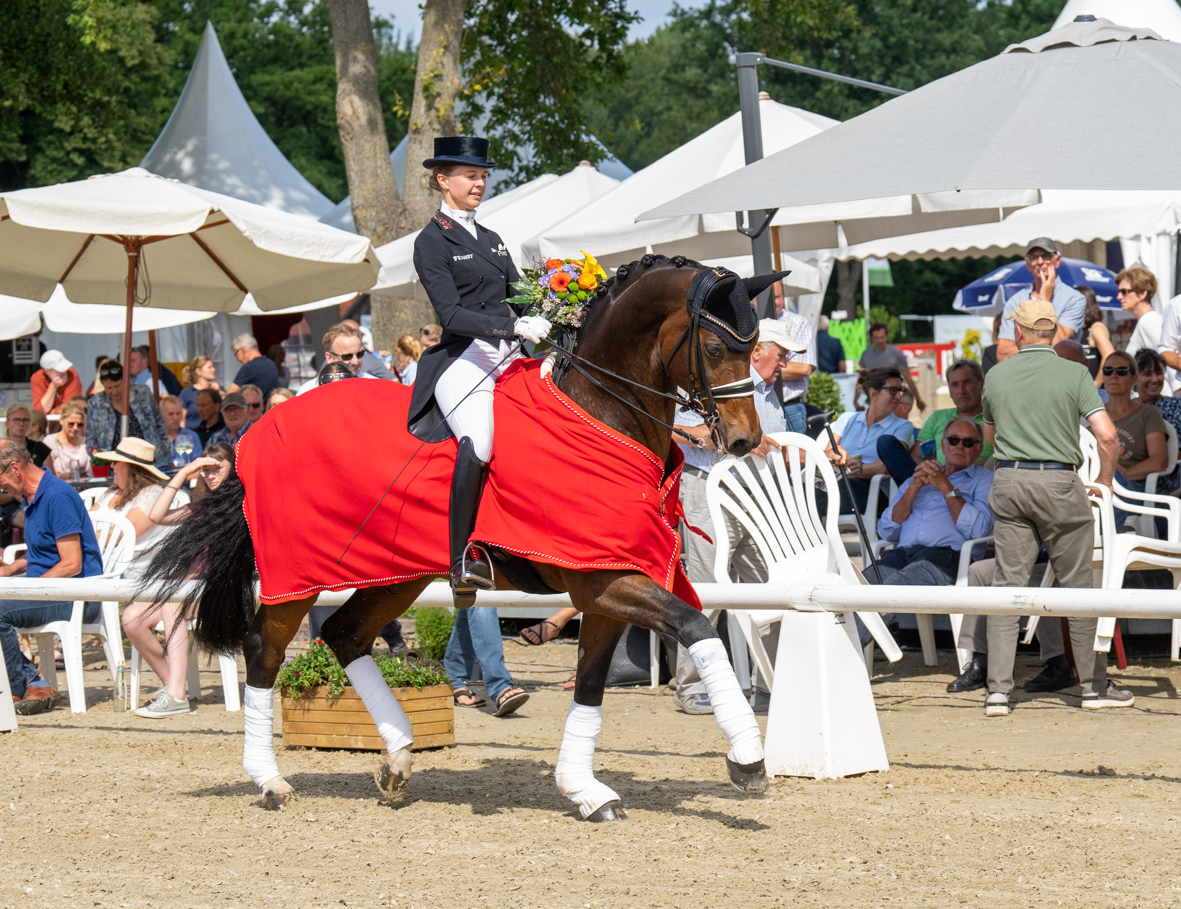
(532, 328)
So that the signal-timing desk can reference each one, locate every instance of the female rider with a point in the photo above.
(468, 275)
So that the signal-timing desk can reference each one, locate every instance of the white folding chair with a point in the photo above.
(1144, 525)
(116, 541)
(848, 522)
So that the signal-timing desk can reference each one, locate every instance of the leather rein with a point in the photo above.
(707, 409)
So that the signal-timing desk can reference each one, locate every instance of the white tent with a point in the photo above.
(213, 140)
(1162, 16)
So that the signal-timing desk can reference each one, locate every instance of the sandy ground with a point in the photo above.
(1048, 807)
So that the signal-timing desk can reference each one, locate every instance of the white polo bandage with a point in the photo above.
(731, 709)
(388, 715)
(258, 752)
(575, 774)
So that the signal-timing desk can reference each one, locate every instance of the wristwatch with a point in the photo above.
(954, 494)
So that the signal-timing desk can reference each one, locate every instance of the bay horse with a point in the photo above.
(658, 326)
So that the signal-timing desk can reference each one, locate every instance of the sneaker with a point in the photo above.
(997, 704)
(694, 704)
(164, 705)
(1111, 697)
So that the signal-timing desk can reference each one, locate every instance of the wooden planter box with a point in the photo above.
(312, 722)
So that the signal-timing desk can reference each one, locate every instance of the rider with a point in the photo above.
(467, 273)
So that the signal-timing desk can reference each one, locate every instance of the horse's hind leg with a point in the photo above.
(350, 632)
(575, 771)
(273, 628)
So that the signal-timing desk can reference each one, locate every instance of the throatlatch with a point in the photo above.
(470, 569)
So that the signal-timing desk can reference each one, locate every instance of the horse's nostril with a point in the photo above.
(741, 447)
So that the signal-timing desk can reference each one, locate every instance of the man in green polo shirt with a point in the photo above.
(1033, 403)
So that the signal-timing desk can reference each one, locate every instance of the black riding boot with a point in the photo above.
(469, 571)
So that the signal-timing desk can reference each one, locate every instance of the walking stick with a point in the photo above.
(824, 419)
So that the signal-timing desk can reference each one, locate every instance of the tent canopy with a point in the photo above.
(214, 141)
(1162, 16)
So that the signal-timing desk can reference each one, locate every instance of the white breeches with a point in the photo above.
(464, 392)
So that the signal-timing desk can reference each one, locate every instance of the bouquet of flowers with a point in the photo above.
(560, 290)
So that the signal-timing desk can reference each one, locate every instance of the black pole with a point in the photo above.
(832, 440)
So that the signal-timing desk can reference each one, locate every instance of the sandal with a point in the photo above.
(467, 693)
(539, 635)
(510, 700)
(569, 684)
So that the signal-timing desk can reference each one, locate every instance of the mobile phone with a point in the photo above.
(927, 450)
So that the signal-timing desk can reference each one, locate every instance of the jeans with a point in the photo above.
(475, 637)
(796, 416)
(16, 614)
(897, 459)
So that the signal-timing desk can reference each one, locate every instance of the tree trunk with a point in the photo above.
(377, 210)
(432, 113)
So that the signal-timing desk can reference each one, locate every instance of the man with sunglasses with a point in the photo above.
(1042, 259)
(342, 344)
(936, 511)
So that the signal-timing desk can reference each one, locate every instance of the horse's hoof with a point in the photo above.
(277, 795)
(612, 811)
(748, 777)
(393, 775)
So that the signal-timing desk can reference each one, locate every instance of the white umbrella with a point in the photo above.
(19, 317)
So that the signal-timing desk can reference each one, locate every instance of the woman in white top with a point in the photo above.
(1137, 287)
(67, 446)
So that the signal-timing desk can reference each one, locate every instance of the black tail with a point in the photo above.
(212, 546)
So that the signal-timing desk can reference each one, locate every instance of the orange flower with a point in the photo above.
(587, 281)
(553, 263)
(559, 281)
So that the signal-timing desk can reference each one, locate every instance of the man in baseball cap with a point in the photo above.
(54, 383)
(1070, 307)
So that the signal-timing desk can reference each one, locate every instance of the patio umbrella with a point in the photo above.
(19, 317)
(987, 296)
(925, 150)
(136, 239)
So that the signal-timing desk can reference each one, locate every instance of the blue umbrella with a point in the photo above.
(987, 296)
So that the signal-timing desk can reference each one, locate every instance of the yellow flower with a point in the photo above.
(592, 267)
(587, 282)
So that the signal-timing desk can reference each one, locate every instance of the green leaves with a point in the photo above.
(318, 667)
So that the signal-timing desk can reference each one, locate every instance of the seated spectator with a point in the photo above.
(39, 425)
(173, 414)
(1137, 287)
(135, 486)
(371, 362)
(209, 410)
(407, 353)
(54, 383)
(209, 477)
(430, 335)
(61, 544)
(905, 405)
(200, 374)
(332, 372)
(1140, 428)
(17, 420)
(547, 630)
(936, 511)
(1150, 382)
(141, 372)
(252, 394)
(256, 369)
(103, 422)
(342, 346)
(858, 433)
(237, 420)
(278, 396)
(1095, 338)
(965, 385)
(277, 354)
(68, 455)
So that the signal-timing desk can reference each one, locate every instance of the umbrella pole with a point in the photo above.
(154, 362)
(132, 247)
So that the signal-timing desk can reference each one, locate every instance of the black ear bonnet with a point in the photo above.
(724, 302)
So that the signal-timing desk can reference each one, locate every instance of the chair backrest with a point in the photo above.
(180, 499)
(92, 495)
(1170, 447)
(1090, 469)
(776, 504)
(116, 540)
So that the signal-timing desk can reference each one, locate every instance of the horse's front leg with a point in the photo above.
(265, 647)
(350, 632)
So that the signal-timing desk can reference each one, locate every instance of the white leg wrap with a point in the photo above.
(731, 710)
(391, 720)
(258, 753)
(575, 774)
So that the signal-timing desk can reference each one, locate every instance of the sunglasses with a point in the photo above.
(955, 441)
(255, 406)
(892, 389)
(111, 372)
(350, 356)
(1116, 370)
(1122, 291)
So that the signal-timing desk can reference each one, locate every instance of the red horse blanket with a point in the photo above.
(564, 489)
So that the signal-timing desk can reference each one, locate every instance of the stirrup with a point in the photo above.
(472, 573)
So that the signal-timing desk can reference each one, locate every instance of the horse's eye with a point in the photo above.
(714, 350)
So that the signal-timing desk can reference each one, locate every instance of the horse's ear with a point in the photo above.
(759, 283)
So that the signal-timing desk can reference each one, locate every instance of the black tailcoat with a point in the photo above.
(467, 280)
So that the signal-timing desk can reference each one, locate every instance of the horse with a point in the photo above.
(652, 329)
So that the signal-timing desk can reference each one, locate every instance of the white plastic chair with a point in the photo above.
(91, 496)
(848, 522)
(227, 664)
(1145, 526)
(116, 540)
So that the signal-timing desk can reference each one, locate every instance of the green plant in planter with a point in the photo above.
(824, 392)
(432, 628)
(318, 667)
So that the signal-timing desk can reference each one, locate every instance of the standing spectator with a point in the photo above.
(370, 361)
(1150, 382)
(18, 420)
(1095, 339)
(256, 369)
(407, 353)
(252, 395)
(794, 375)
(237, 420)
(475, 638)
(201, 374)
(209, 410)
(54, 383)
(988, 357)
(278, 355)
(430, 335)
(882, 353)
(103, 422)
(61, 544)
(1139, 427)
(342, 344)
(830, 353)
(1033, 403)
(173, 414)
(1070, 307)
(1137, 287)
(141, 372)
(68, 455)
(278, 396)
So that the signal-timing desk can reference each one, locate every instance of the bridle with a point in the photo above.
(700, 288)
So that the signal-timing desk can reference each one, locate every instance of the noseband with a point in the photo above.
(702, 285)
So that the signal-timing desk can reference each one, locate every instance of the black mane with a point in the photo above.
(625, 274)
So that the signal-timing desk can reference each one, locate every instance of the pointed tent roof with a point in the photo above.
(1162, 16)
(214, 141)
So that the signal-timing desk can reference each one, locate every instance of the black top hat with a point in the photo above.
(460, 150)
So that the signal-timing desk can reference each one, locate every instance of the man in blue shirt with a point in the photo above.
(256, 369)
(830, 353)
(1042, 259)
(61, 544)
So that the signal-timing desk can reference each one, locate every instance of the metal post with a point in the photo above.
(752, 141)
(865, 300)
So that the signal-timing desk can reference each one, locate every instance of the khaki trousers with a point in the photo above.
(1035, 508)
(974, 628)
